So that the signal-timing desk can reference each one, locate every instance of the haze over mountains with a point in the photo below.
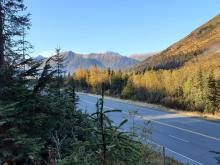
(142, 57)
(202, 42)
(107, 59)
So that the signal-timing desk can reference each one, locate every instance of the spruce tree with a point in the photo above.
(58, 67)
(18, 140)
(14, 21)
(218, 94)
(212, 93)
(112, 145)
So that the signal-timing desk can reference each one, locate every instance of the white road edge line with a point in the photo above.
(154, 142)
(187, 130)
(169, 125)
(185, 156)
(183, 140)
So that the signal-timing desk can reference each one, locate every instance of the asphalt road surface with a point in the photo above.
(189, 140)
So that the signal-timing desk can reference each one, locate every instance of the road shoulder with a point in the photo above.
(204, 116)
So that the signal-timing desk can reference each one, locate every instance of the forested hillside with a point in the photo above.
(202, 41)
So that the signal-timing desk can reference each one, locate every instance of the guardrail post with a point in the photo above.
(164, 156)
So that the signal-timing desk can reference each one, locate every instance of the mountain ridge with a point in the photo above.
(197, 43)
(108, 59)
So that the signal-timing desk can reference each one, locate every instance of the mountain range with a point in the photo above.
(201, 45)
(108, 59)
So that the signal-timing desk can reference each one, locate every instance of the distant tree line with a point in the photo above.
(187, 88)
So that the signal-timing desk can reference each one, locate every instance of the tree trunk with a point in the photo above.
(2, 59)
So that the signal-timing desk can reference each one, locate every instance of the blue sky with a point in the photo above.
(124, 26)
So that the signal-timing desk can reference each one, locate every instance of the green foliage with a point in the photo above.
(14, 21)
(113, 146)
(213, 101)
(128, 90)
(116, 82)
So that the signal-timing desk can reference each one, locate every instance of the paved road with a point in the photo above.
(187, 139)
